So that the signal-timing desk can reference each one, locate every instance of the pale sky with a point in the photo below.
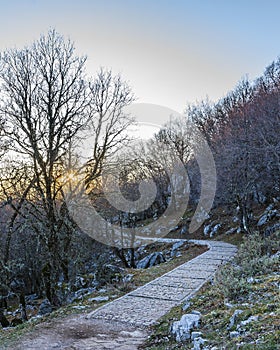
(171, 52)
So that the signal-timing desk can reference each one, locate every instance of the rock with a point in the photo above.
(268, 214)
(271, 229)
(181, 330)
(174, 251)
(259, 197)
(234, 334)
(214, 230)
(270, 207)
(207, 230)
(178, 245)
(102, 290)
(183, 230)
(45, 308)
(232, 320)
(128, 278)
(195, 335)
(276, 255)
(186, 305)
(250, 280)
(231, 230)
(80, 282)
(17, 285)
(151, 260)
(211, 229)
(156, 258)
(79, 307)
(30, 307)
(99, 299)
(196, 312)
(198, 343)
(229, 305)
(175, 228)
(249, 320)
(30, 298)
(80, 294)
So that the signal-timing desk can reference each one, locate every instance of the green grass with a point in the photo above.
(263, 301)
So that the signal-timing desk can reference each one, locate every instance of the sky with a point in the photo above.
(171, 52)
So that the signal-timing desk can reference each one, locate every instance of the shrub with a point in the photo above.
(253, 259)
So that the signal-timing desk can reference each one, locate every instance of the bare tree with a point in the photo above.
(178, 136)
(109, 122)
(45, 102)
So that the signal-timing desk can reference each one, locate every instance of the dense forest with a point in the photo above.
(48, 104)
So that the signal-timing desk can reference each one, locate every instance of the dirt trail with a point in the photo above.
(78, 333)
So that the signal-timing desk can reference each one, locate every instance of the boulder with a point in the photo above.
(178, 245)
(207, 230)
(195, 335)
(45, 308)
(98, 299)
(128, 278)
(215, 230)
(249, 320)
(271, 229)
(80, 282)
(267, 215)
(186, 305)
(80, 294)
(231, 230)
(232, 320)
(181, 330)
(183, 230)
(198, 343)
(151, 260)
(30, 298)
(211, 229)
(234, 334)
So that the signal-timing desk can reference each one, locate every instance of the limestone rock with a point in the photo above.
(233, 318)
(198, 343)
(151, 260)
(234, 334)
(45, 308)
(181, 330)
(99, 299)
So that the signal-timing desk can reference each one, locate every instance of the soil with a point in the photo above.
(78, 333)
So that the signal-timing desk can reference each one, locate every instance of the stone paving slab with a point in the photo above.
(177, 281)
(224, 256)
(145, 305)
(194, 274)
(206, 265)
(162, 292)
(201, 266)
(134, 310)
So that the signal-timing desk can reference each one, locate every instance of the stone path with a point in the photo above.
(145, 305)
(122, 324)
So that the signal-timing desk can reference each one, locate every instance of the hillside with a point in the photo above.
(240, 308)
